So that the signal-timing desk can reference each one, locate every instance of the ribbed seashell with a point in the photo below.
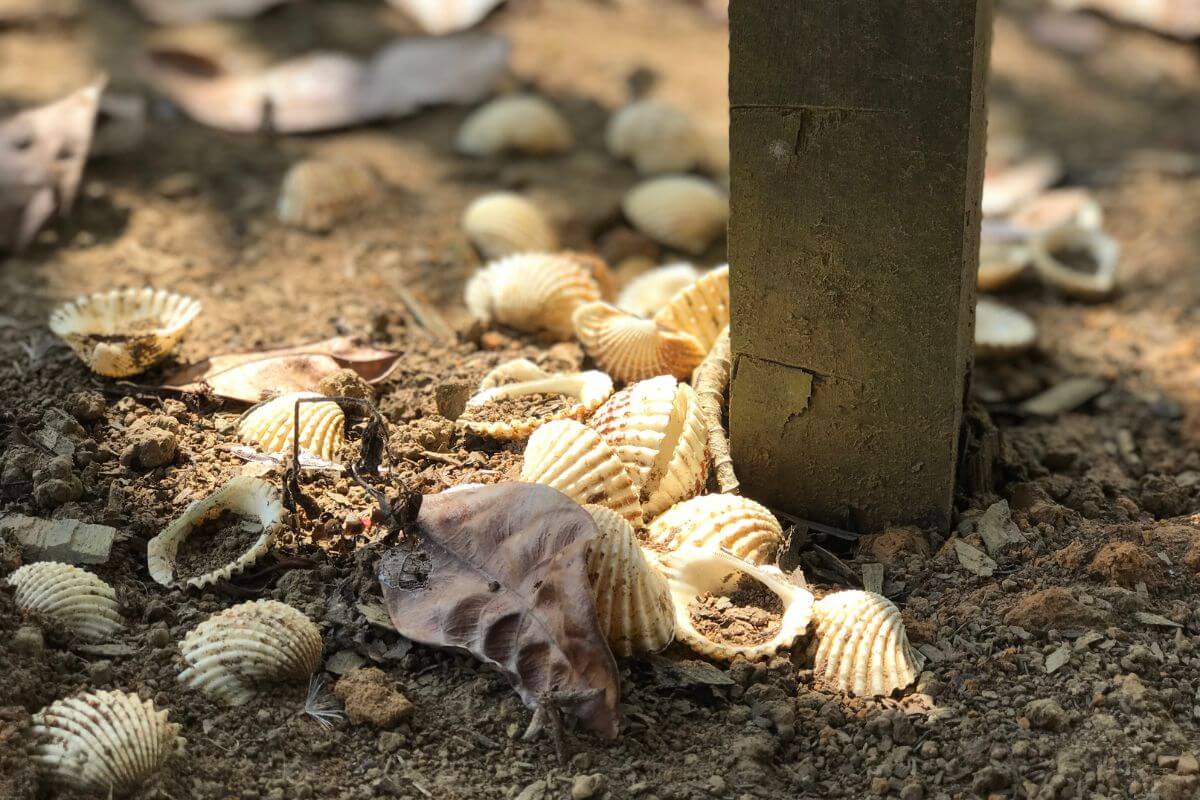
(1048, 251)
(503, 223)
(691, 572)
(1001, 330)
(75, 601)
(588, 389)
(719, 522)
(446, 16)
(1074, 206)
(248, 497)
(656, 429)
(1003, 255)
(317, 194)
(633, 601)
(521, 123)
(701, 309)
(630, 348)
(656, 137)
(680, 211)
(572, 458)
(234, 652)
(103, 743)
(532, 292)
(860, 646)
(124, 331)
(271, 426)
(653, 289)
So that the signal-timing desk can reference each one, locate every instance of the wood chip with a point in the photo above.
(1065, 396)
(973, 559)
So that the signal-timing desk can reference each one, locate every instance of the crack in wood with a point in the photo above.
(815, 373)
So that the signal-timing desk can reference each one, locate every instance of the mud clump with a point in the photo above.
(55, 484)
(526, 406)
(747, 616)
(215, 542)
(1123, 564)
(150, 447)
(370, 698)
(345, 383)
(1055, 607)
(895, 544)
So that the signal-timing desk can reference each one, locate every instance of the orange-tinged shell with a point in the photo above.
(504, 223)
(630, 348)
(701, 309)
(653, 289)
(316, 195)
(271, 426)
(656, 137)
(587, 389)
(532, 292)
(1002, 330)
(520, 123)
(719, 522)
(860, 646)
(680, 211)
(1047, 253)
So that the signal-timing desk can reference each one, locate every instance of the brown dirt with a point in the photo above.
(218, 540)
(748, 615)
(526, 406)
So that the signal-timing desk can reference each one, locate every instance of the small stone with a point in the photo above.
(585, 787)
(159, 636)
(55, 492)
(1046, 714)
(903, 730)
(879, 786)
(150, 448)
(534, 791)
(86, 406)
(28, 640)
(451, 398)
(369, 697)
(717, 785)
(100, 673)
(912, 791)
(390, 741)
(1187, 765)
(67, 540)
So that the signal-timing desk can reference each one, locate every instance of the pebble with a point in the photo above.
(159, 636)
(100, 673)
(1187, 765)
(150, 448)
(912, 791)
(1046, 714)
(369, 697)
(28, 640)
(585, 787)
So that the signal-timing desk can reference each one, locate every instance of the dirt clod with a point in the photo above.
(216, 541)
(748, 615)
(1054, 607)
(370, 698)
(345, 383)
(1122, 564)
(149, 448)
(1046, 714)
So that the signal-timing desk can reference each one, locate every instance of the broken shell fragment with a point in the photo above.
(860, 646)
(1013, 174)
(1001, 330)
(585, 390)
(124, 331)
(518, 123)
(316, 195)
(1080, 262)
(103, 742)
(532, 292)
(1055, 208)
(630, 348)
(237, 650)
(680, 211)
(1003, 255)
(502, 223)
(656, 137)
(446, 16)
(745, 528)
(270, 426)
(75, 601)
(650, 291)
(701, 309)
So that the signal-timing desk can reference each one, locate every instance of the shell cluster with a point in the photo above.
(588, 390)
(517, 123)
(76, 602)
(1002, 330)
(719, 522)
(860, 646)
(656, 137)
(271, 426)
(317, 194)
(533, 292)
(685, 212)
(503, 223)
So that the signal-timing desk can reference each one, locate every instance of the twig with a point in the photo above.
(711, 380)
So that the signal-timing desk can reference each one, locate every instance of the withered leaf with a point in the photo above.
(184, 12)
(500, 572)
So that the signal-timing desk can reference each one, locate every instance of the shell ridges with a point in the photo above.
(78, 602)
(860, 645)
(271, 426)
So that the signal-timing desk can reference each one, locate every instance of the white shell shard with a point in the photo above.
(573, 459)
(233, 652)
(75, 601)
(701, 309)
(587, 389)
(1002, 330)
(633, 601)
(532, 292)
(1013, 175)
(860, 646)
(650, 291)
(520, 123)
(124, 331)
(1051, 250)
(680, 211)
(446, 16)
(1055, 208)
(514, 371)
(503, 223)
(656, 137)
(102, 742)
(630, 348)
(248, 497)
(270, 426)
(745, 528)
(316, 195)
(1003, 255)
(1177, 18)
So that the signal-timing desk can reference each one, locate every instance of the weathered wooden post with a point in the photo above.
(857, 135)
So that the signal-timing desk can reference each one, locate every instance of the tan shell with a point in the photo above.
(446, 16)
(270, 426)
(1003, 256)
(520, 123)
(532, 292)
(1047, 249)
(745, 528)
(680, 211)
(701, 309)
(1013, 174)
(653, 289)
(630, 348)
(236, 650)
(102, 742)
(1055, 208)
(573, 459)
(860, 646)
(316, 195)
(124, 331)
(588, 390)
(503, 223)
(656, 137)
(1002, 330)
(249, 497)
(633, 602)
(76, 601)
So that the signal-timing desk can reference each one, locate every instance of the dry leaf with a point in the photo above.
(501, 572)
(973, 559)
(184, 12)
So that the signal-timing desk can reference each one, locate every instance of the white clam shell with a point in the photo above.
(74, 600)
(656, 137)
(504, 223)
(680, 211)
(514, 371)
(102, 742)
(633, 601)
(573, 459)
(520, 123)
(653, 289)
(630, 348)
(701, 309)
(446, 16)
(729, 522)
(1013, 174)
(1003, 255)
(1047, 250)
(1055, 208)
(532, 292)
(317, 194)
(235, 651)
(860, 646)
(124, 331)
(249, 497)
(588, 389)
(270, 426)
(1001, 330)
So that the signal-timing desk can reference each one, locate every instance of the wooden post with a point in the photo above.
(857, 137)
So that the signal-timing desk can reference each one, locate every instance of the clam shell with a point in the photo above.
(1001, 330)
(446, 16)
(860, 646)
(680, 211)
(656, 137)
(573, 459)
(588, 390)
(630, 348)
(1058, 207)
(1003, 256)
(518, 123)
(316, 194)
(532, 292)
(633, 601)
(503, 223)
(249, 497)
(514, 371)
(1013, 174)
(76, 601)
(650, 291)
(270, 426)
(1047, 252)
(701, 309)
(102, 742)
(236, 650)
(124, 331)
(719, 522)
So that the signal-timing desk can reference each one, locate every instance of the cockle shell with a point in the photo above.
(860, 646)
(261, 642)
(520, 123)
(1001, 330)
(701, 309)
(1102, 250)
(271, 426)
(680, 211)
(1055, 208)
(76, 601)
(503, 223)
(572, 458)
(650, 291)
(630, 348)
(532, 292)
(124, 331)
(103, 742)
(446, 16)
(1003, 255)
(588, 389)
(248, 497)
(633, 601)
(316, 194)
(656, 137)
(745, 528)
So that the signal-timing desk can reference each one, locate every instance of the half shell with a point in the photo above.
(1058, 207)
(680, 211)
(233, 652)
(701, 309)
(316, 194)
(656, 137)
(630, 348)
(271, 426)
(1097, 252)
(1013, 174)
(103, 742)
(520, 123)
(124, 331)
(446, 16)
(653, 289)
(633, 601)
(532, 292)
(1001, 330)
(719, 522)
(860, 646)
(588, 390)
(503, 223)
(248, 497)
(1003, 255)
(76, 601)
